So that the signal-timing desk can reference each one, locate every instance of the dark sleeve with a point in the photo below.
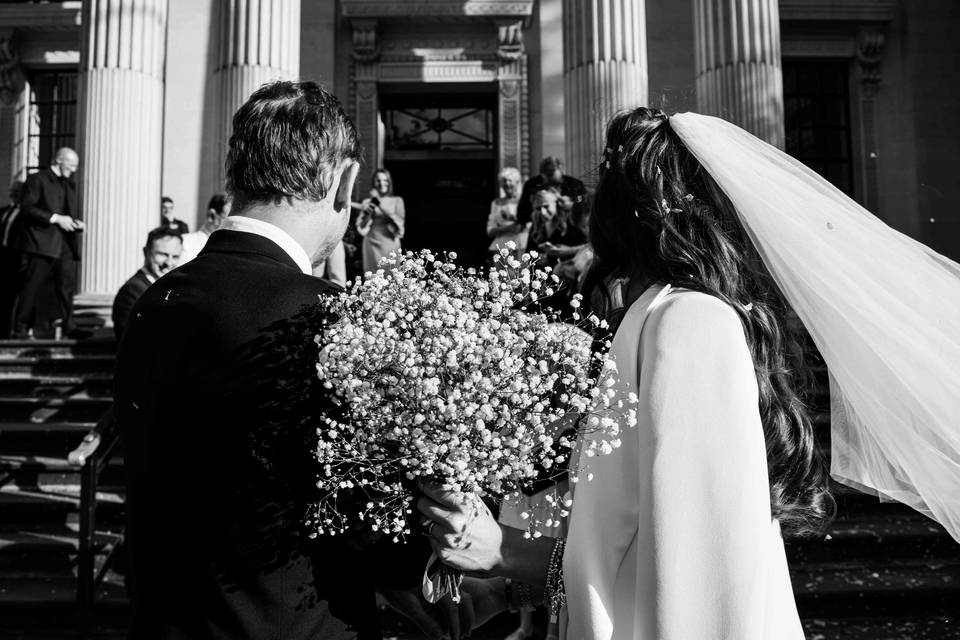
(34, 213)
(122, 306)
(182, 227)
(524, 206)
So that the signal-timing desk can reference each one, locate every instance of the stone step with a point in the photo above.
(17, 348)
(896, 537)
(54, 508)
(19, 384)
(32, 472)
(25, 551)
(59, 365)
(889, 588)
(883, 628)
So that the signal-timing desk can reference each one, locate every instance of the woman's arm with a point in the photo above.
(396, 215)
(709, 516)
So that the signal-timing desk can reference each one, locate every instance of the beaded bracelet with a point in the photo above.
(508, 594)
(554, 594)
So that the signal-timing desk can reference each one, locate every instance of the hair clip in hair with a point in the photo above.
(748, 307)
(688, 197)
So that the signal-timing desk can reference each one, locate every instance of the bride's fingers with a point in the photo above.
(446, 497)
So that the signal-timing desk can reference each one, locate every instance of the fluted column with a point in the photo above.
(739, 76)
(259, 42)
(604, 71)
(120, 131)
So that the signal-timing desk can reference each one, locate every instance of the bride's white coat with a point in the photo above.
(672, 538)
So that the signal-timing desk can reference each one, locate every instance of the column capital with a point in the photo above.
(870, 41)
(509, 40)
(366, 49)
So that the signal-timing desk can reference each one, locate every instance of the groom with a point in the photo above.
(216, 396)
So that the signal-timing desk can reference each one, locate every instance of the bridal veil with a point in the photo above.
(883, 310)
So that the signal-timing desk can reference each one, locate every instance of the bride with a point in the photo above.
(678, 533)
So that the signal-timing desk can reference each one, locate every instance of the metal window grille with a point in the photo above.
(816, 97)
(51, 115)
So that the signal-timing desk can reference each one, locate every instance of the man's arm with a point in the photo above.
(524, 206)
(32, 209)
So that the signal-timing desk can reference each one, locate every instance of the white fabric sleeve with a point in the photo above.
(709, 508)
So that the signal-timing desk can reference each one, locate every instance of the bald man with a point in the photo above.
(48, 242)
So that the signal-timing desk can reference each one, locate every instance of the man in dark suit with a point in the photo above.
(217, 397)
(551, 176)
(9, 257)
(161, 253)
(49, 222)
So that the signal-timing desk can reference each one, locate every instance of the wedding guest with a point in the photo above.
(9, 258)
(167, 218)
(555, 233)
(161, 253)
(502, 225)
(217, 396)
(218, 208)
(551, 176)
(47, 240)
(381, 220)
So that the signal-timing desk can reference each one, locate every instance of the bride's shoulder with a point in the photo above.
(693, 317)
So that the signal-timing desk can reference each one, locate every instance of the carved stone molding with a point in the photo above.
(438, 71)
(870, 42)
(53, 16)
(510, 40)
(833, 11)
(365, 48)
(11, 73)
(422, 8)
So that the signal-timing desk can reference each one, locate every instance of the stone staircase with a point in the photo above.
(884, 572)
(52, 393)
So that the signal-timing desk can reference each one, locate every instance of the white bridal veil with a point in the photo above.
(883, 309)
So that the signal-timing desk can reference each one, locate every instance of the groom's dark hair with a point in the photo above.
(287, 140)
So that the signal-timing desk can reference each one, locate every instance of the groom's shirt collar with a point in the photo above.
(273, 233)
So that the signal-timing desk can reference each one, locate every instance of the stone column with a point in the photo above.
(739, 77)
(604, 71)
(259, 42)
(514, 142)
(366, 107)
(120, 131)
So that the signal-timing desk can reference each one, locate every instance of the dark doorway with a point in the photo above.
(441, 151)
(447, 205)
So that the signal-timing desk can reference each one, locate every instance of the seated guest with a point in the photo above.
(551, 176)
(167, 219)
(555, 233)
(502, 225)
(217, 210)
(160, 255)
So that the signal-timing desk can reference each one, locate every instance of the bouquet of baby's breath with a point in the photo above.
(451, 375)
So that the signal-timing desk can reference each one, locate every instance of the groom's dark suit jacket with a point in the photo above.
(216, 396)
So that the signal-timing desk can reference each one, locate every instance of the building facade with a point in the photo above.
(447, 92)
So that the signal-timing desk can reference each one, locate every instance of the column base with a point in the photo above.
(93, 311)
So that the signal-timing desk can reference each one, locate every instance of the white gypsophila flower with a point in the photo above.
(448, 375)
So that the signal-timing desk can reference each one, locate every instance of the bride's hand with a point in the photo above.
(464, 533)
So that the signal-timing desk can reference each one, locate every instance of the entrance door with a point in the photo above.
(441, 150)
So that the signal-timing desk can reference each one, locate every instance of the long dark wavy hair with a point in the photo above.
(658, 215)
